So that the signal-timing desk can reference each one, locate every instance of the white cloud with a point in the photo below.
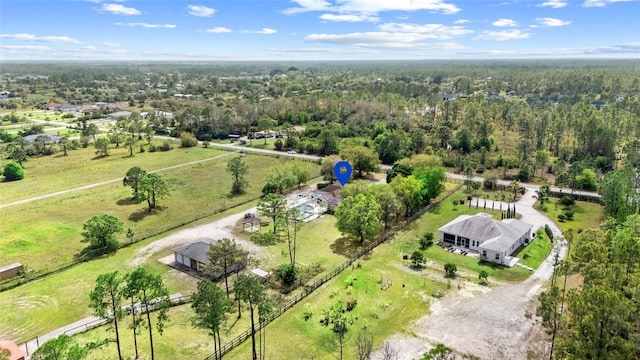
(26, 47)
(502, 35)
(555, 4)
(505, 22)
(552, 22)
(372, 6)
(110, 44)
(149, 26)
(31, 37)
(265, 31)
(118, 9)
(201, 11)
(461, 21)
(219, 30)
(323, 50)
(308, 5)
(382, 39)
(349, 17)
(88, 48)
(601, 3)
(431, 31)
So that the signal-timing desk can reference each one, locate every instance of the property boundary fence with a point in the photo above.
(28, 276)
(310, 288)
(174, 300)
(593, 198)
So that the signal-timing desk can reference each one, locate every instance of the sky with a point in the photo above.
(298, 30)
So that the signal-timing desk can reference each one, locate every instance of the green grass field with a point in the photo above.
(48, 174)
(586, 215)
(43, 305)
(536, 252)
(53, 235)
(260, 143)
(382, 312)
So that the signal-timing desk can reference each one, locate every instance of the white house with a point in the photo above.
(494, 240)
(194, 256)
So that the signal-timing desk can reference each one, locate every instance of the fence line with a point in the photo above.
(310, 288)
(35, 275)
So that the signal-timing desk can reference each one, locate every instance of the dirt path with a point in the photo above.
(495, 322)
(58, 193)
(215, 230)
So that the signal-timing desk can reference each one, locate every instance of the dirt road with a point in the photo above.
(215, 230)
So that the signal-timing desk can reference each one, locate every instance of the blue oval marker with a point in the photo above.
(342, 170)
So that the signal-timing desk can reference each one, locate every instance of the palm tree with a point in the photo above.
(514, 187)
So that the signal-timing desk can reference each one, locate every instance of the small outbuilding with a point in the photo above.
(194, 256)
(15, 353)
(11, 271)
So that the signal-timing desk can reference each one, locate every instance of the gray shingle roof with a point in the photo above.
(494, 235)
(196, 250)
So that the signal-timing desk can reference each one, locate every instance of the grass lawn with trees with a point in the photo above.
(316, 243)
(439, 216)
(48, 174)
(43, 305)
(60, 299)
(586, 215)
(536, 252)
(53, 236)
(381, 312)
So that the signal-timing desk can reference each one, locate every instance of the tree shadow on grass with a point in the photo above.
(98, 157)
(347, 247)
(127, 201)
(144, 212)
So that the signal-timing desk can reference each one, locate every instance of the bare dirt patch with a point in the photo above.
(215, 230)
(495, 322)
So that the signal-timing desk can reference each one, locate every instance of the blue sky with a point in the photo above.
(169, 30)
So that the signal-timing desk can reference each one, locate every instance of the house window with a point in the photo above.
(497, 256)
(484, 253)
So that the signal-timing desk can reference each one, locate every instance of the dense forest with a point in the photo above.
(569, 122)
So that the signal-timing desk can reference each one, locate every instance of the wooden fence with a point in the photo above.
(309, 288)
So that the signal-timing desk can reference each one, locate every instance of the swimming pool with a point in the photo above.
(305, 209)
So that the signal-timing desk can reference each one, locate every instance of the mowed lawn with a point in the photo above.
(437, 256)
(48, 232)
(316, 244)
(59, 299)
(586, 215)
(49, 174)
(381, 312)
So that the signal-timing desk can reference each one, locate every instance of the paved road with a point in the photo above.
(238, 147)
(526, 185)
(46, 196)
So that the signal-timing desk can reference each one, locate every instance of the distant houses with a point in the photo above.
(49, 139)
(447, 96)
(59, 107)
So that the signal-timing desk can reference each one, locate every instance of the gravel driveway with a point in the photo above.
(497, 322)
